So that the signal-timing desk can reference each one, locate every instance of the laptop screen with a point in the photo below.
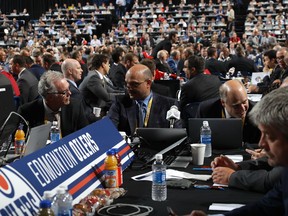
(226, 133)
(160, 138)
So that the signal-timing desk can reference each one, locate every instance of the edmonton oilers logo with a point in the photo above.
(6, 187)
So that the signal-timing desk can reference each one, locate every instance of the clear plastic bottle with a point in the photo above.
(54, 132)
(64, 203)
(19, 140)
(111, 169)
(205, 138)
(159, 187)
(48, 195)
(45, 208)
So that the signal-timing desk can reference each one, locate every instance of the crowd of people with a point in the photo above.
(56, 76)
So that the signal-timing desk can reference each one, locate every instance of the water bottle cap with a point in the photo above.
(205, 123)
(48, 194)
(65, 187)
(60, 191)
(54, 123)
(45, 204)
(159, 157)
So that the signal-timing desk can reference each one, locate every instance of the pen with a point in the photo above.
(203, 168)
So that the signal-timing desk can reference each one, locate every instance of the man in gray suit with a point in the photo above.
(27, 82)
(93, 87)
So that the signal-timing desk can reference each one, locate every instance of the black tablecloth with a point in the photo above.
(181, 201)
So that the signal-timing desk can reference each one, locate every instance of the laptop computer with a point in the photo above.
(160, 138)
(226, 133)
(37, 138)
(257, 77)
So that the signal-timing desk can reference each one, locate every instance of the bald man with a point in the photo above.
(72, 72)
(233, 103)
(124, 111)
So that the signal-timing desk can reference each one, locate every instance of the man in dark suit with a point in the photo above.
(72, 71)
(141, 107)
(272, 121)
(241, 63)
(27, 82)
(199, 87)
(93, 87)
(233, 103)
(166, 44)
(55, 105)
(215, 66)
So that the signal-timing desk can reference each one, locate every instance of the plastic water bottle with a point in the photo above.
(48, 195)
(119, 168)
(45, 208)
(205, 138)
(239, 74)
(54, 132)
(159, 187)
(63, 203)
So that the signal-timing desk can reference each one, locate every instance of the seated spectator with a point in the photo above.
(272, 121)
(241, 63)
(125, 113)
(161, 62)
(174, 60)
(212, 64)
(27, 82)
(199, 87)
(233, 103)
(55, 104)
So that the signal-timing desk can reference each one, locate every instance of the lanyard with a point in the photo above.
(148, 112)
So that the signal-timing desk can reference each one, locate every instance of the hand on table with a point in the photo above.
(221, 175)
(257, 153)
(224, 161)
(197, 213)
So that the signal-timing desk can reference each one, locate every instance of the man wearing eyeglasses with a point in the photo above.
(140, 107)
(55, 105)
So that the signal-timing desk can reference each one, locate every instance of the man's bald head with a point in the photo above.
(234, 98)
(71, 69)
(138, 80)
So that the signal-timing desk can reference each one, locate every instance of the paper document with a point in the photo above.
(172, 174)
(235, 158)
(224, 206)
(220, 185)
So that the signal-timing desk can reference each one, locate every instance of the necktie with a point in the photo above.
(142, 113)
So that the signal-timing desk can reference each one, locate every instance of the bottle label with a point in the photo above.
(205, 139)
(111, 178)
(19, 145)
(54, 137)
(159, 177)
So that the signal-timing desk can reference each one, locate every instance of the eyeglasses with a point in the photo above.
(66, 92)
(134, 84)
(280, 57)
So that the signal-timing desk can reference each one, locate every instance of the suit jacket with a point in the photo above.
(94, 91)
(123, 113)
(242, 64)
(72, 115)
(256, 175)
(162, 45)
(37, 70)
(199, 88)
(216, 67)
(275, 202)
(117, 75)
(213, 108)
(28, 86)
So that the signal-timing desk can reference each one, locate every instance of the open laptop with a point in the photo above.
(226, 133)
(160, 138)
(37, 138)
(258, 77)
(166, 141)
